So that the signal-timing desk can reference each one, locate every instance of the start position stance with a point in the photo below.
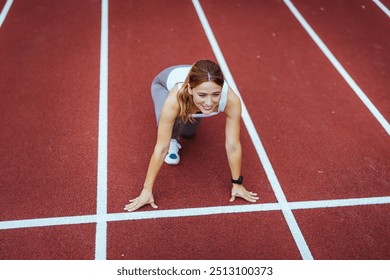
(182, 96)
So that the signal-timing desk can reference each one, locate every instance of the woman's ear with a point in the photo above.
(189, 90)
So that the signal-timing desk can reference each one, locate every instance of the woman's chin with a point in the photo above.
(206, 111)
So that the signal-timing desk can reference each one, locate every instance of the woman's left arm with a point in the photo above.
(233, 146)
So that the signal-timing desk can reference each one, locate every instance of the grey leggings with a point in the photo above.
(159, 94)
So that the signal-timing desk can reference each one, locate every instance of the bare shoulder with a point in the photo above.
(233, 104)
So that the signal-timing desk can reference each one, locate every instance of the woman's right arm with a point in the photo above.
(169, 114)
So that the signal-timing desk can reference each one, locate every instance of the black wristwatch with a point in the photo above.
(238, 181)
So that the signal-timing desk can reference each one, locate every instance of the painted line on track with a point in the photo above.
(192, 212)
(102, 217)
(46, 222)
(280, 196)
(5, 10)
(347, 202)
(101, 208)
(382, 7)
(359, 92)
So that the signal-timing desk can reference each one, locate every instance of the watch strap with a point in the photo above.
(238, 181)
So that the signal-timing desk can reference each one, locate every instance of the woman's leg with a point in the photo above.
(185, 130)
(159, 91)
(159, 94)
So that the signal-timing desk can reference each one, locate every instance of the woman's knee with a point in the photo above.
(189, 129)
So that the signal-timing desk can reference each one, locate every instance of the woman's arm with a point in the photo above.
(169, 113)
(233, 146)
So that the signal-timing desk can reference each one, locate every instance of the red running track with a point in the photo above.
(49, 53)
(386, 3)
(322, 141)
(200, 180)
(358, 37)
(318, 143)
(2, 3)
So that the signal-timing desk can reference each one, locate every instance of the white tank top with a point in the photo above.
(178, 76)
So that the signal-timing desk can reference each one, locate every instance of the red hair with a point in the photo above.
(202, 71)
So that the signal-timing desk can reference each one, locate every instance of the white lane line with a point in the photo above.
(139, 215)
(5, 10)
(371, 107)
(101, 226)
(382, 7)
(46, 222)
(193, 212)
(317, 204)
(290, 219)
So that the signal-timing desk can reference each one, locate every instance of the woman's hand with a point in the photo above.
(240, 191)
(146, 197)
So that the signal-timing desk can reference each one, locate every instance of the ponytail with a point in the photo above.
(186, 103)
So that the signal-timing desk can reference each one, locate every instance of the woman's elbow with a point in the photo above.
(161, 150)
(232, 146)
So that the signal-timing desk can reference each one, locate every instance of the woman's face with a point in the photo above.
(206, 96)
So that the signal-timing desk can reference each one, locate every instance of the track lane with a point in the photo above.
(358, 233)
(70, 242)
(251, 221)
(320, 147)
(203, 178)
(49, 77)
(321, 140)
(356, 33)
(244, 236)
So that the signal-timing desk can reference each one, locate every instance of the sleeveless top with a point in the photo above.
(178, 76)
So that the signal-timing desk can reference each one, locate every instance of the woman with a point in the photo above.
(182, 95)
